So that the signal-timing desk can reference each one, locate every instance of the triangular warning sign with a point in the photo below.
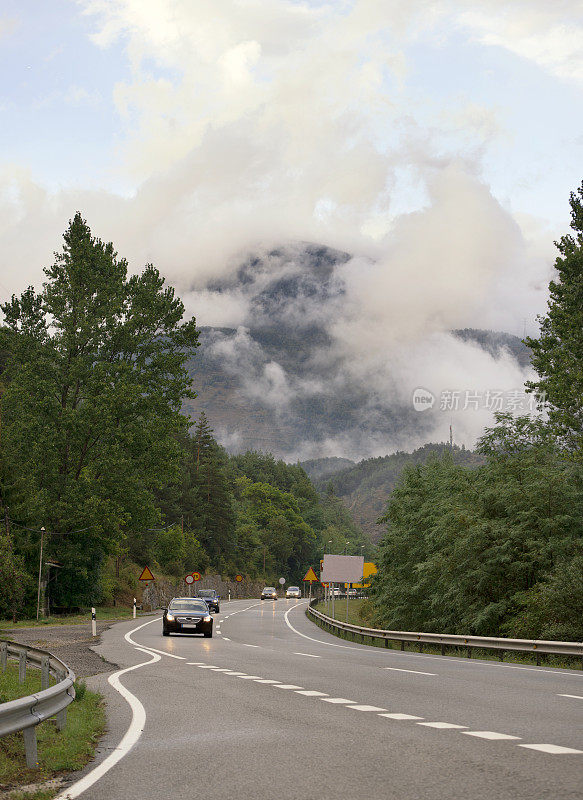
(310, 575)
(146, 575)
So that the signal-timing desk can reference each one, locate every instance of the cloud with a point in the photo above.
(248, 126)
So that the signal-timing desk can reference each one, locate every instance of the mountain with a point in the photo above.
(364, 488)
(280, 379)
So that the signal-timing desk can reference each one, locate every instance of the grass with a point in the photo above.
(103, 613)
(58, 751)
(549, 660)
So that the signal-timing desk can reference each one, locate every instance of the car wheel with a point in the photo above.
(208, 635)
(165, 632)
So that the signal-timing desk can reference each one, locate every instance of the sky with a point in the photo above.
(435, 141)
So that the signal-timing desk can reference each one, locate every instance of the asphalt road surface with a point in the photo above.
(274, 708)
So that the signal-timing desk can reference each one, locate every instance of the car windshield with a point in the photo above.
(294, 589)
(206, 593)
(188, 605)
(269, 589)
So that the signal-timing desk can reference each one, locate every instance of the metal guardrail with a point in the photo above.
(452, 640)
(26, 713)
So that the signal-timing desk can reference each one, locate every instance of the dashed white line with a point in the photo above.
(288, 686)
(400, 716)
(249, 645)
(555, 749)
(194, 663)
(414, 671)
(441, 725)
(491, 735)
(311, 693)
(207, 666)
(249, 677)
(226, 639)
(232, 672)
(265, 680)
(308, 655)
(366, 708)
(339, 700)
(574, 696)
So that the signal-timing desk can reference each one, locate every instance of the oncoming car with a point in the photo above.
(293, 591)
(211, 598)
(187, 615)
(269, 593)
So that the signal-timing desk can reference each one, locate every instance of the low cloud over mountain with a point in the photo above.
(304, 364)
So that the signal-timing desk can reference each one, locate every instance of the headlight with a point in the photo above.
(208, 618)
(169, 618)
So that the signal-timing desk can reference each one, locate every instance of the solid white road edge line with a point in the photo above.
(128, 638)
(414, 671)
(574, 696)
(131, 736)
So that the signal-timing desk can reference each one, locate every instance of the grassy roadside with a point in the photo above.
(103, 613)
(59, 752)
(354, 618)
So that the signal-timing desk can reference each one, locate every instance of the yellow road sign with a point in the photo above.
(368, 570)
(146, 575)
(310, 575)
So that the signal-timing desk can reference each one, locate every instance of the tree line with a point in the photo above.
(498, 549)
(98, 460)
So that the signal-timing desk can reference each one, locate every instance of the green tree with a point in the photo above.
(558, 352)
(91, 412)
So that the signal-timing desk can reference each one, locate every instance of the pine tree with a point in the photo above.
(558, 352)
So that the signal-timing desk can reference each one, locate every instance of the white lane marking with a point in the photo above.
(232, 672)
(310, 693)
(415, 671)
(288, 686)
(308, 655)
(249, 677)
(207, 666)
(574, 696)
(226, 639)
(457, 660)
(442, 725)
(250, 645)
(265, 680)
(490, 735)
(222, 669)
(194, 663)
(400, 716)
(128, 638)
(342, 700)
(131, 736)
(318, 641)
(366, 708)
(555, 749)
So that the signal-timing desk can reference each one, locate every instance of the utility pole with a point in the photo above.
(40, 569)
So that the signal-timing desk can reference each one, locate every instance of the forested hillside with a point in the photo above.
(99, 465)
(498, 549)
(364, 487)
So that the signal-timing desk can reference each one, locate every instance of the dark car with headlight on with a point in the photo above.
(187, 615)
(269, 593)
(210, 597)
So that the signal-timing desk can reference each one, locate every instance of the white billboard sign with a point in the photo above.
(342, 569)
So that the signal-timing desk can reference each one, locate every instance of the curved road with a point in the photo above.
(274, 707)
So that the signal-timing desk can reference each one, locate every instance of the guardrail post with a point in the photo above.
(387, 642)
(30, 747)
(501, 656)
(402, 644)
(22, 666)
(45, 673)
(3, 654)
(61, 719)
(442, 649)
(469, 652)
(537, 658)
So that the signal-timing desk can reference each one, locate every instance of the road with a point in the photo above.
(274, 707)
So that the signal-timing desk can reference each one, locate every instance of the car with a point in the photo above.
(187, 615)
(211, 598)
(353, 592)
(336, 592)
(293, 591)
(269, 593)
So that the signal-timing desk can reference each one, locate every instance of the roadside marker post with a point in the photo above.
(93, 622)
(134, 607)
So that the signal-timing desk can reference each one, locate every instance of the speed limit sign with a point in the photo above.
(189, 579)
